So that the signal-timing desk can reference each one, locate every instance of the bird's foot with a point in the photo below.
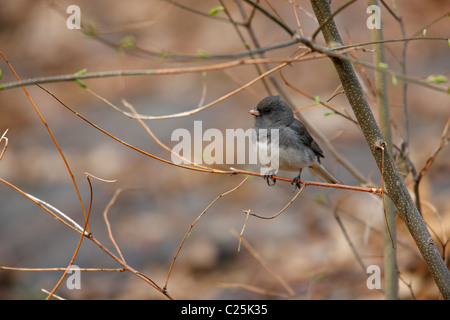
(270, 179)
(296, 182)
(268, 176)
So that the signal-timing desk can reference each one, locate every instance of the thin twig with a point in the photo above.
(333, 54)
(375, 190)
(61, 269)
(325, 104)
(272, 17)
(57, 214)
(4, 138)
(255, 289)
(198, 109)
(443, 141)
(193, 224)
(86, 225)
(53, 295)
(299, 25)
(345, 233)
(108, 225)
(264, 264)
(198, 12)
(131, 146)
(145, 126)
(169, 71)
(244, 42)
(342, 7)
(129, 268)
(420, 31)
(279, 212)
(55, 142)
(243, 228)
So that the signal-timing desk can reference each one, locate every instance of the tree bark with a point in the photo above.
(393, 182)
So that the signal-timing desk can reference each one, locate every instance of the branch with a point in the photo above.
(325, 21)
(131, 146)
(330, 52)
(3, 137)
(384, 118)
(147, 72)
(443, 141)
(198, 12)
(193, 224)
(395, 186)
(273, 18)
(375, 190)
(55, 142)
(337, 52)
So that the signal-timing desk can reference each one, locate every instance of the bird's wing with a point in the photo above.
(304, 137)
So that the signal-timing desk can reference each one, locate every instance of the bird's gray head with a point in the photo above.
(272, 110)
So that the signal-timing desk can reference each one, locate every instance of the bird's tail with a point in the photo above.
(324, 173)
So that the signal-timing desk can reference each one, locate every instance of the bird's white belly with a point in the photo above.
(294, 159)
(283, 158)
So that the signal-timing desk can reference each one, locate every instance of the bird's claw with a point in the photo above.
(268, 177)
(296, 182)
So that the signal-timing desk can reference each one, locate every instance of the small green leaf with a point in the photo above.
(317, 99)
(424, 32)
(382, 65)
(90, 30)
(329, 113)
(203, 54)
(82, 71)
(215, 10)
(394, 80)
(126, 43)
(78, 73)
(0, 73)
(436, 78)
(81, 83)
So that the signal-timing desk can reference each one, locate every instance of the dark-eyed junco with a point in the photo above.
(296, 147)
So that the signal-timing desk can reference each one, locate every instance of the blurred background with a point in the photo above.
(304, 245)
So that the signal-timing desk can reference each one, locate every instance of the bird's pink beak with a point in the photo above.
(254, 112)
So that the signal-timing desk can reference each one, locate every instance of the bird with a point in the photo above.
(296, 147)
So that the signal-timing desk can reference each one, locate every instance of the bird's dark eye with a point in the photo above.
(267, 111)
